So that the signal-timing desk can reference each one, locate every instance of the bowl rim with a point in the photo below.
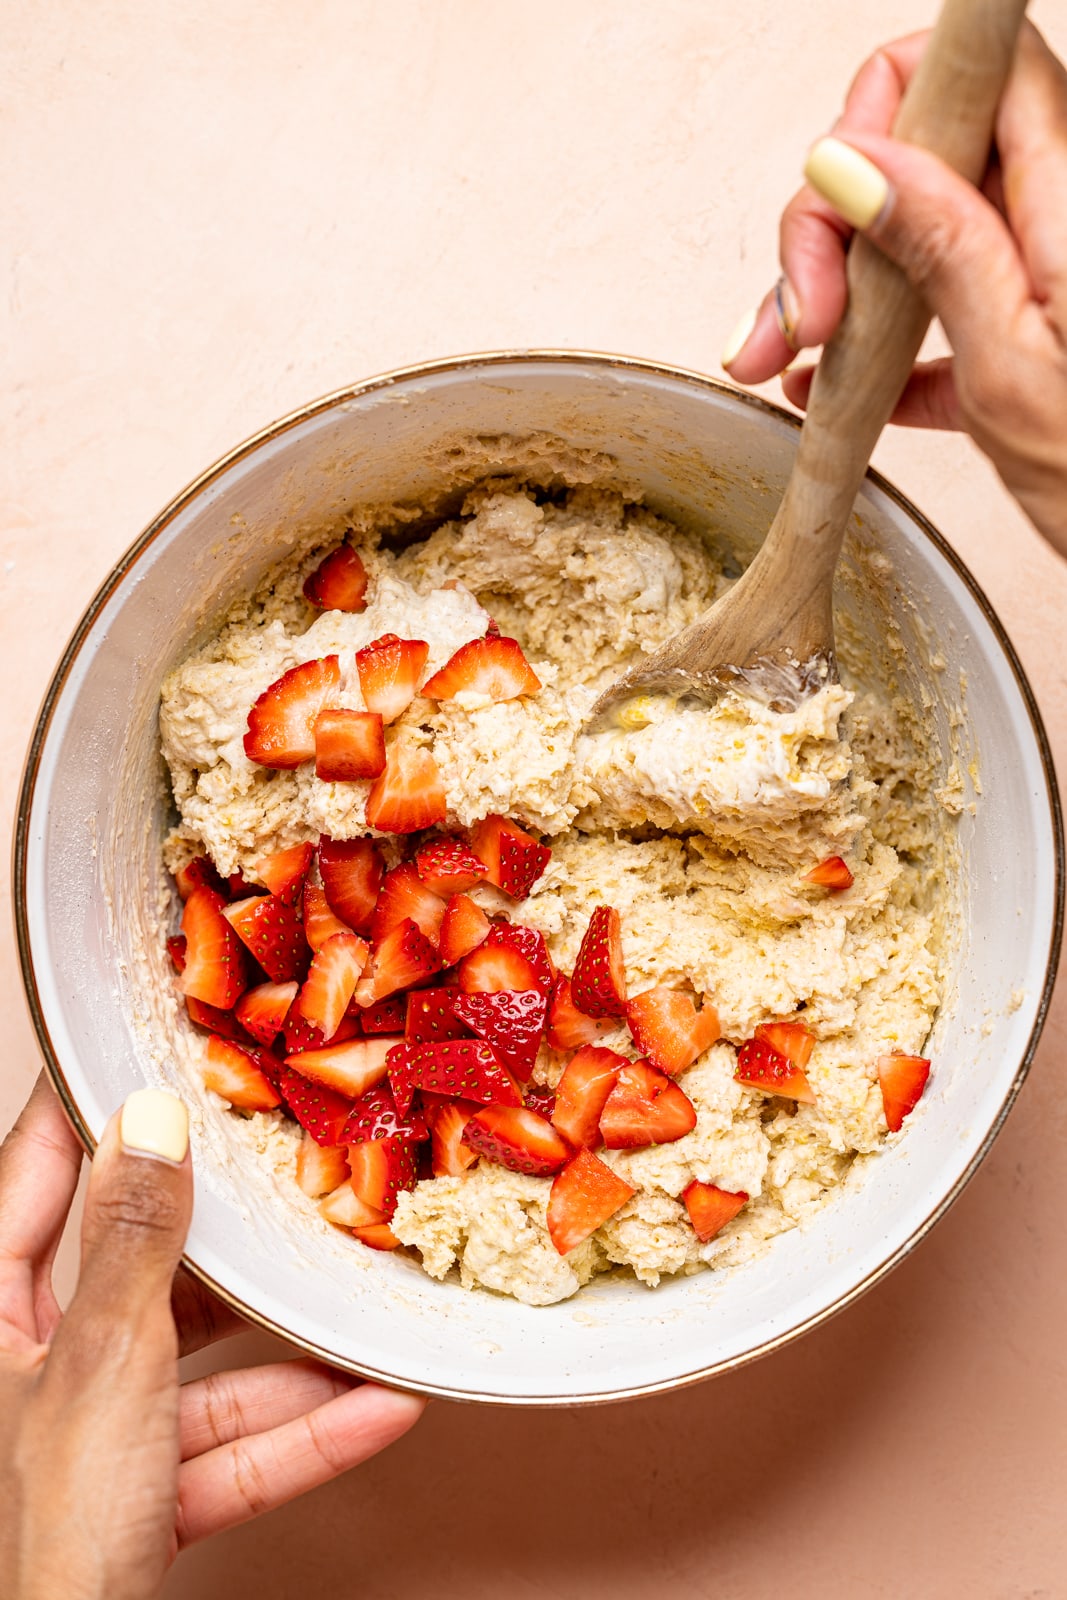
(426, 369)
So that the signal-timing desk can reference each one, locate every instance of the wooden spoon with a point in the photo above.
(772, 634)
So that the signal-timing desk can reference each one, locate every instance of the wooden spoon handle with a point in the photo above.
(949, 107)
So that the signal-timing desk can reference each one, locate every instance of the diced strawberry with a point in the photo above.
(320, 923)
(645, 1107)
(493, 667)
(431, 1019)
(239, 888)
(199, 873)
(710, 1208)
(582, 1093)
(492, 967)
(449, 865)
(403, 958)
(320, 1112)
(514, 859)
(385, 1016)
(215, 963)
(759, 1066)
(281, 724)
(403, 895)
(408, 795)
(511, 1021)
(833, 874)
(232, 1072)
(463, 927)
(352, 871)
(598, 984)
(377, 1236)
(331, 982)
(299, 1035)
(465, 1068)
(517, 1138)
(374, 1116)
(381, 1169)
(224, 1023)
(320, 1170)
(540, 1098)
(389, 673)
(263, 1010)
(349, 1069)
(530, 943)
(349, 746)
(451, 1156)
(339, 582)
(902, 1079)
(666, 1026)
(567, 1026)
(176, 951)
(584, 1195)
(790, 1039)
(274, 933)
(345, 1209)
(285, 871)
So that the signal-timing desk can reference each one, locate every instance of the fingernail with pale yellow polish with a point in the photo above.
(847, 181)
(739, 338)
(155, 1123)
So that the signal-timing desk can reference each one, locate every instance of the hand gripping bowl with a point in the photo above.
(89, 884)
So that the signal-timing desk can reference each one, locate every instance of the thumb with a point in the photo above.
(951, 242)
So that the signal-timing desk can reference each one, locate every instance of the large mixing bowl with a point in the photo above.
(90, 889)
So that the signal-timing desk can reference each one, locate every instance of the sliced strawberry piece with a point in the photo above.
(584, 1195)
(582, 1093)
(449, 865)
(239, 888)
(385, 1016)
(645, 1107)
(530, 943)
(349, 1069)
(331, 982)
(790, 1039)
(299, 1035)
(514, 859)
(511, 1021)
(224, 1023)
(759, 1066)
(517, 1138)
(404, 957)
(320, 1112)
(216, 966)
(463, 927)
(666, 1026)
(404, 895)
(567, 1026)
(320, 1170)
(176, 946)
(492, 967)
(833, 874)
(389, 673)
(377, 1236)
(352, 871)
(710, 1208)
(431, 1019)
(263, 1010)
(320, 923)
(381, 1169)
(285, 871)
(902, 1079)
(493, 667)
(232, 1072)
(281, 724)
(374, 1116)
(339, 582)
(349, 746)
(345, 1209)
(199, 873)
(540, 1098)
(274, 933)
(464, 1068)
(408, 795)
(450, 1155)
(598, 986)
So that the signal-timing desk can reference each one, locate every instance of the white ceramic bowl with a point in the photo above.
(94, 809)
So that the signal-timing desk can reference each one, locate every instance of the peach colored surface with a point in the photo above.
(213, 212)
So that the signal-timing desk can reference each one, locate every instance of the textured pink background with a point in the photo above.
(213, 212)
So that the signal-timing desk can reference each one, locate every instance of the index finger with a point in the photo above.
(1032, 143)
(39, 1165)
